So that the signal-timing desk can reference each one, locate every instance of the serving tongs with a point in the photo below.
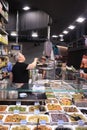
(76, 118)
(37, 124)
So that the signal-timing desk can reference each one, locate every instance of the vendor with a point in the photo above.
(20, 71)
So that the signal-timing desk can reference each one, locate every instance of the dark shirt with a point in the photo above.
(20, 74)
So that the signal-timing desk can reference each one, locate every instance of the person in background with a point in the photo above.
(20, 71)
(83, 67)
(9, 64)
(43, 64)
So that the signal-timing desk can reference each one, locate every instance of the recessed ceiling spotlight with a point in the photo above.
(65, 32)
(61, 35)
(34, 34)
(26, 8)
(13, 33)
(71, 27)
(54, 36)
(80, 19)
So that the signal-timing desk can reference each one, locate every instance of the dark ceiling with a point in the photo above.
(62, 12)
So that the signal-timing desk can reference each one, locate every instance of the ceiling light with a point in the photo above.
(61, 39)
(61, 35)
(13, 33)
(71, 27)
(26, 8)
(54, 36)
(80, 20)
(34, 34)
(65, 32)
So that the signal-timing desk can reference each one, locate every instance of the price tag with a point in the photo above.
(18, 103)
(16, 111)
(81, 123)
(36, 103)
(23, 122)
(42, 122)
(60, 122)
(1, 122)
(36, 112)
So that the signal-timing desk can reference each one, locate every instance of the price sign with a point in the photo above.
(60, 122)
(81, 122)
(18, 103)
(36, 112)
(36, 103)
(16, 111)
(23, 122)
(42, 122)
(1, 122)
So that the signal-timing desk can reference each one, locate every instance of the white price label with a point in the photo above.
(23, 122)
(42, 122)
(60, 122)
(81, 122)
(16, 111)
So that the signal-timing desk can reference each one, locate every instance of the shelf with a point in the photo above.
(3, 43)
(2, 31)
(5, 19)
(5, 5)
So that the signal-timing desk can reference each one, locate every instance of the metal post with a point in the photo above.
(17, 27)
(48, 28)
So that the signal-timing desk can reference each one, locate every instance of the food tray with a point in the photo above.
(63, 127)
(63, 95)
(59, 116)
(77, 96)
(51, 100)
(41, 81)
(50, 95)
(4, 127)
(77, 114)
(41, 108)
(34, 118)
(1, 116)
(42, 127)
(81, 103)
(17, 109)
(14, 118)
(3, 108)
(20, 127)
(65, 101)
(80, 127)
(70, 109)
(53, 107)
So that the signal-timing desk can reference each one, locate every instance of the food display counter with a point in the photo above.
(59, 110)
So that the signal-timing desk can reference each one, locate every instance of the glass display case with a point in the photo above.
(55, 103)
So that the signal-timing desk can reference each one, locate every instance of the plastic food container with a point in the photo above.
(53, 107)
(34, 118)
(3, 108)
(55, 117)
(42, 127)
(17, 109)
(14, 118)
(20, 127)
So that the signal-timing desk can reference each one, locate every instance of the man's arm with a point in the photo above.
(33, 64)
